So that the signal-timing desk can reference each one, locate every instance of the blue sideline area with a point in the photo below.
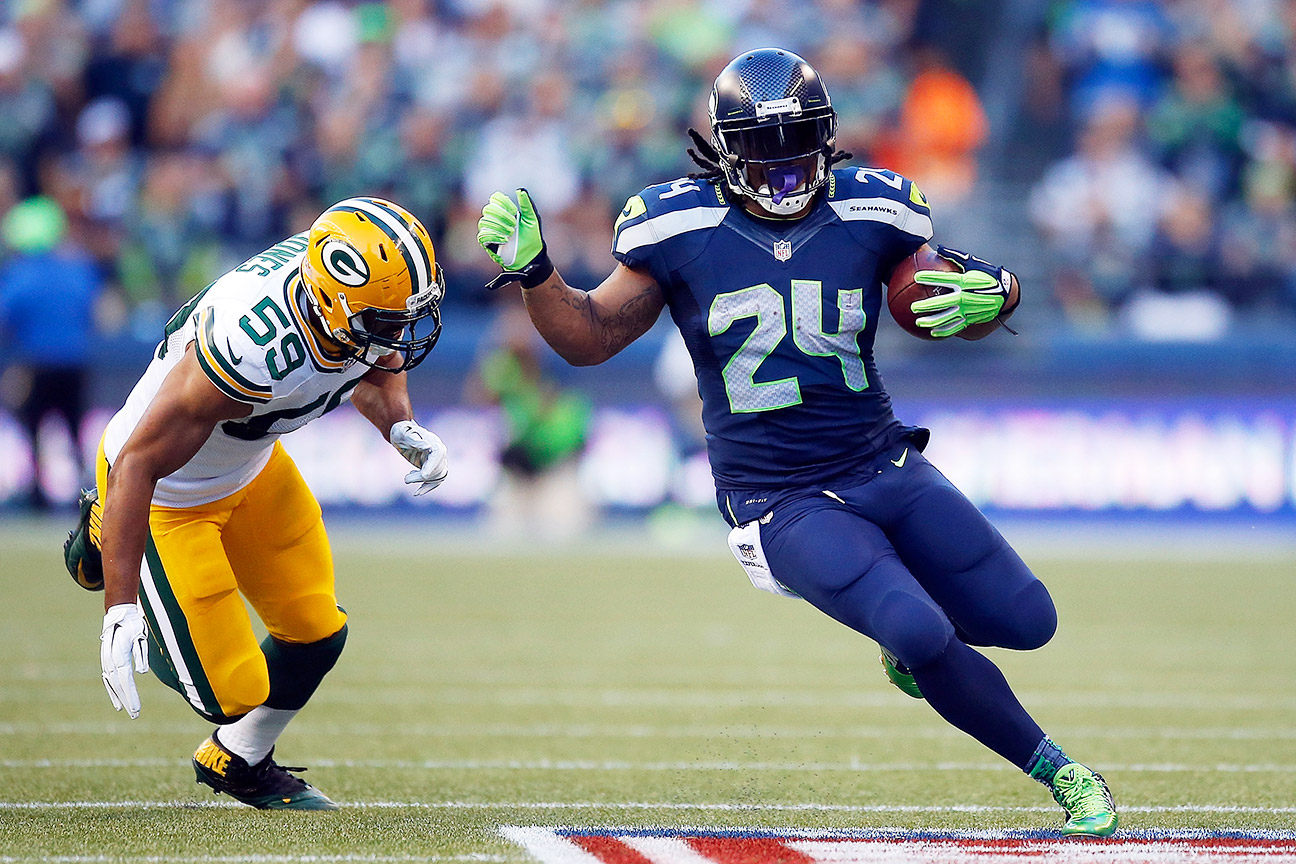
(1044, 426)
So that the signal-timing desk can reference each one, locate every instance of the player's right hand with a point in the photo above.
(123, 644)
(425, 451)
(510, 233)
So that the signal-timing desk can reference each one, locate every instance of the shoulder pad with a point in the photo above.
(667, 210)
(227, 350)
(879, 195)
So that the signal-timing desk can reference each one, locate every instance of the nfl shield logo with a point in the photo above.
(782, 249)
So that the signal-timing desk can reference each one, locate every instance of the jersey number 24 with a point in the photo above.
(762, 302)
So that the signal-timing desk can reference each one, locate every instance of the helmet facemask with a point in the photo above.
(778, 159)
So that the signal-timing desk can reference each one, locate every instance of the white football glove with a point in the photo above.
(122, 641)
(425, 451)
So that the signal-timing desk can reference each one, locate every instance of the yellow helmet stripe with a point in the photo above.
(397, 242)
(414, 238)
(400, 235)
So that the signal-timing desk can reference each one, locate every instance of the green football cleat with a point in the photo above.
(1083, 794)
(265, 785)
(80, 555)
(899, 675)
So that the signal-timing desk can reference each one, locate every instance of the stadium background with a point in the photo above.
(1133, 161)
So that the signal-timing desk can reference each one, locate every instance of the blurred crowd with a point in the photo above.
(1176, 207)
(178, 137)
(181, 136)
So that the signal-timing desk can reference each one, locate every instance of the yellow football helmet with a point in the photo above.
(371, 274)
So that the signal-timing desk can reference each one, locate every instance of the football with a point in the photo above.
(902, 290)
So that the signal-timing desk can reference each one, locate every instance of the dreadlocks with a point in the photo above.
(708, 159)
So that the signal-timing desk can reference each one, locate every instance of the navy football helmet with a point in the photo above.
(774, 128)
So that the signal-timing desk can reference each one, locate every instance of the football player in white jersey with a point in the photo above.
(198, 506)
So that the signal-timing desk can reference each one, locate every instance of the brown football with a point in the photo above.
(902, 290)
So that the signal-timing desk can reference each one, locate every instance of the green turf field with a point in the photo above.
(621, 686)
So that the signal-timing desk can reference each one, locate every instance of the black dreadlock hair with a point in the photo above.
(708, 159)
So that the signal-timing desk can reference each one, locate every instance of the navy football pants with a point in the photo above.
(907, 560)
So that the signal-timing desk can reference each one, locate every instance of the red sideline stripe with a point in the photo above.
(614, 847)
(609, 849)
(745, 850)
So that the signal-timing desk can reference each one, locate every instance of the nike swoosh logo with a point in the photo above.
(234, 358)
(899, 463)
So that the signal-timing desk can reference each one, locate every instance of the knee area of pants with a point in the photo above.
(310, 618)
(246, 687)
(1035, 617)
(915, 632)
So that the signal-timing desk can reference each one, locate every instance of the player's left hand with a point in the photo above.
(509, 230)
(976, 295)
(425, 451)
(123, 644)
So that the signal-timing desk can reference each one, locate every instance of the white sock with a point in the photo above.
(253, 735)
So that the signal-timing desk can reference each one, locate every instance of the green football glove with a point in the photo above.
(510, 234)
(976, 295)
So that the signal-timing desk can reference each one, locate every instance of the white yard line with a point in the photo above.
(623, 765)
(644, 806)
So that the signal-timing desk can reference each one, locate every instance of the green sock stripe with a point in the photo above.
(175, 617)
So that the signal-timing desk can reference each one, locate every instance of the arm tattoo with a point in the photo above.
(626, 324)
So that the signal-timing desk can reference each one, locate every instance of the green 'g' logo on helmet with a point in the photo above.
(344, 263)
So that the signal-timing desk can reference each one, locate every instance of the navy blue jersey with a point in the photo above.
(780, 318)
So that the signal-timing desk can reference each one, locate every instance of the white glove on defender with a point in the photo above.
(425, 451)
(123, 639)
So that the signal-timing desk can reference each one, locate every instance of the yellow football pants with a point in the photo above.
(265, 542)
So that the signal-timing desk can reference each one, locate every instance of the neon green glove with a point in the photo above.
(976, 295)
(510, 233)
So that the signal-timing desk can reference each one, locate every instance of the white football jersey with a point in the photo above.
(251, 337)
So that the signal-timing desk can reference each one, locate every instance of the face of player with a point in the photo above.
(783, 165)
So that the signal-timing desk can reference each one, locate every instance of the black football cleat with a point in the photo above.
(265, 785)
(80, 554)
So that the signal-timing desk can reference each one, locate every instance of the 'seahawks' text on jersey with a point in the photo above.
(780, 318)
(250, 336)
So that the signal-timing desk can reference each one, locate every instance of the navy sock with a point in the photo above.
(972, 694)
(1045, 761)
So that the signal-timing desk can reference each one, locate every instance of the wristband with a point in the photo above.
(536, 272)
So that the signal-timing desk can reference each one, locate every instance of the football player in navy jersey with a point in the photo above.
(772, 263)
